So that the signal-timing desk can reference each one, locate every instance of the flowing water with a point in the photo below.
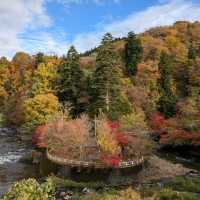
(11, 168)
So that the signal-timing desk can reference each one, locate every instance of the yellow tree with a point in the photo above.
(17, 86)
(38, 110)
(106, 139)
(44, 78)
(3, 79)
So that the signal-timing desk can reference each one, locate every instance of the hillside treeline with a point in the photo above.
(149, 81)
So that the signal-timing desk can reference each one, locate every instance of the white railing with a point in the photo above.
(64, 161)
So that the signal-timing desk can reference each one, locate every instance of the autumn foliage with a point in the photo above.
(115, 129)
(38, 111)
(111, 141)
(157, 123)
(39, 136)
(172, 131)
(153, 91)
(110, 160)
(64, 137)
(106, 137)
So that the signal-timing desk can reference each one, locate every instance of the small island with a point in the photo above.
(76, 143)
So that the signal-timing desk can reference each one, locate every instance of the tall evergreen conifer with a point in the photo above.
(192, 54)
(39, 58)
(71, 82)
(133, 53)
(167, 102)
(105, 87)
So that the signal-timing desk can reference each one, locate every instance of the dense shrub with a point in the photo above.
(134, 122)
(189, 114)
(116, 145)
(39, 136)
(175, 131)
(106, 137)
(157, 123)
(62, 136)
(30, 189)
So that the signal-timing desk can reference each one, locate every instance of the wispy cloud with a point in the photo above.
(104, 1)
(23, 22)
(69, 2)
(15, 17)
(45, 42)
(165, 13)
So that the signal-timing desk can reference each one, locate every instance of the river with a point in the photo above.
(11, 168)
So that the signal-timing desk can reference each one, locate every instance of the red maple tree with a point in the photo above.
(38, 136)
(111, 160)
(115, 129)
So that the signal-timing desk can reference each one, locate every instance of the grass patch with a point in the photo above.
(156, 193)
(149, 191)
(177, 189)
(168, 194)
(2, 120)
(59, 182)
(96, 196)
(98, 190)
(182, 184)
(125, 194)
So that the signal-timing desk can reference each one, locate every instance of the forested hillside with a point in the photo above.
(147, 83)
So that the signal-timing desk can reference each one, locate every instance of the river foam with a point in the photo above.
(10, 157)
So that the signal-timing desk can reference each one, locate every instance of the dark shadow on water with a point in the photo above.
(185, 155)
(110, 176)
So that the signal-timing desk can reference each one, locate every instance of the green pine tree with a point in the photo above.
(72, 83)
(39, 58)
(192, 54)
(167, 101)
(182, 80)
(105, 94)
(133, 53)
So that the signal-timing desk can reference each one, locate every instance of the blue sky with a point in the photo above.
(85, 17)
(52, 26)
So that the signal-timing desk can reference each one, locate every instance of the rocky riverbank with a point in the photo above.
(158, 168)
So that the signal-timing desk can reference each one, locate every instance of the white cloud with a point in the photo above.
(18, 17)
(165, 13)
(69, 2)
(45, 42)
(15, 17)
(21, 18)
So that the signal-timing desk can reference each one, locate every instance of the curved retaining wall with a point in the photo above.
(100, 165)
